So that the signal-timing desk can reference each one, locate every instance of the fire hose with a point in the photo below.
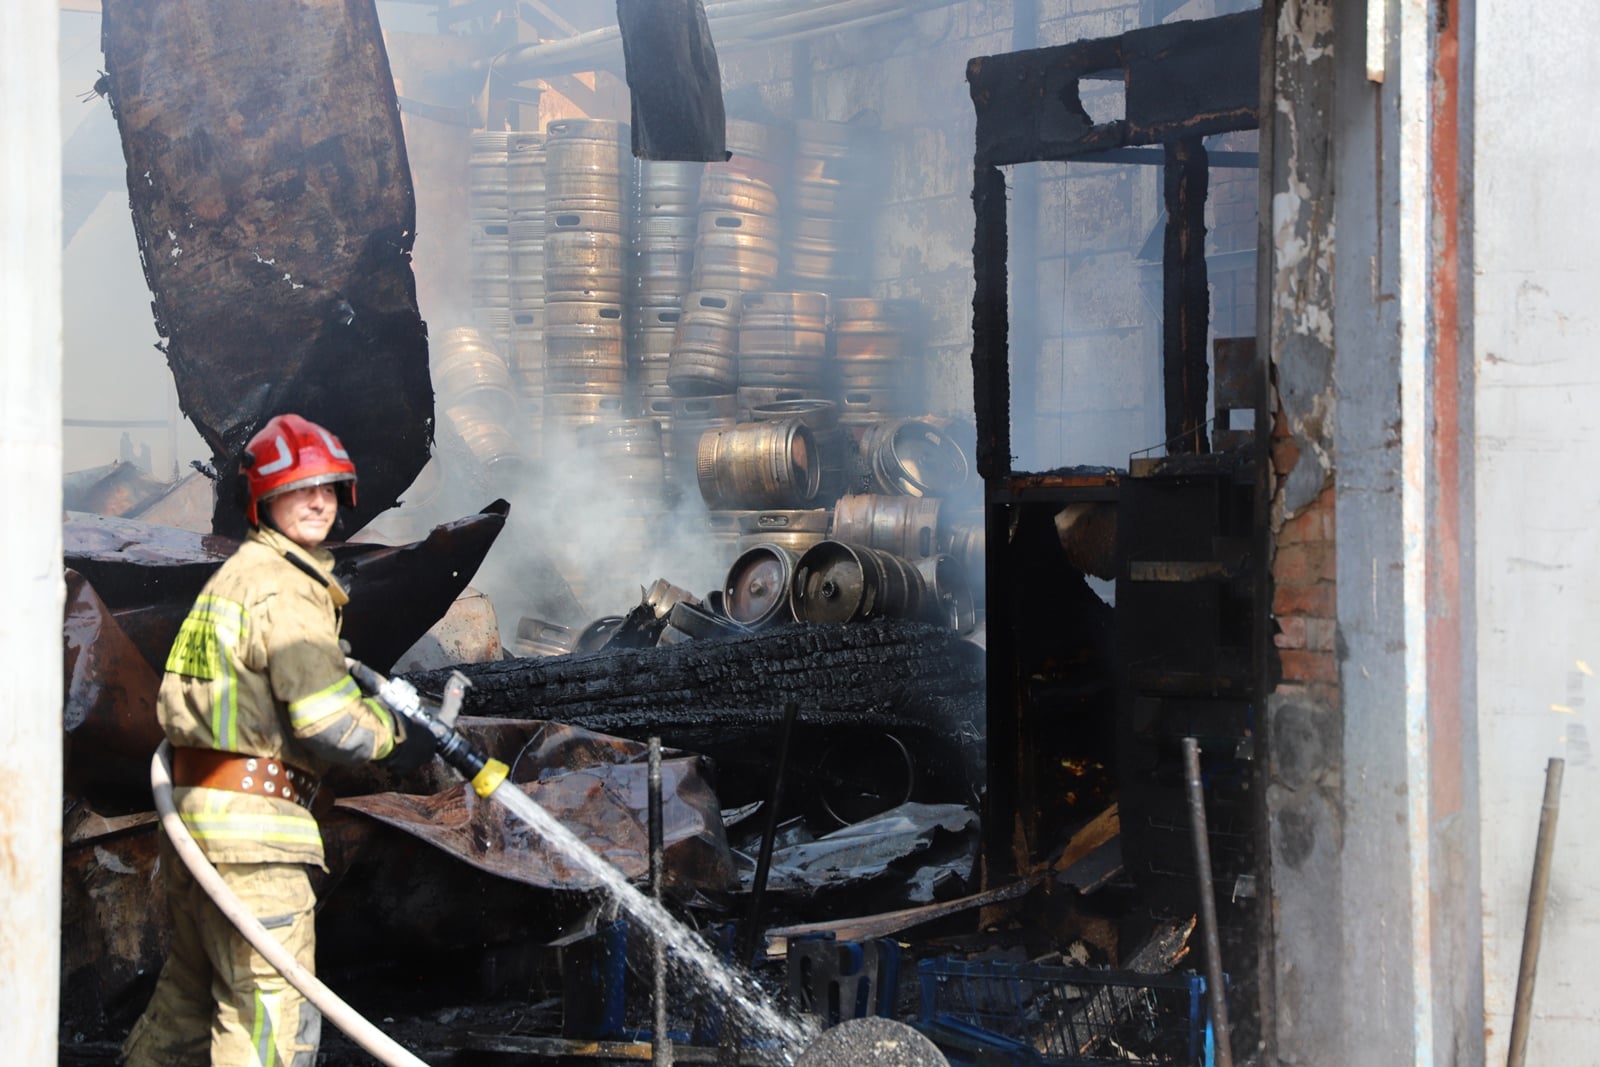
(485, 776)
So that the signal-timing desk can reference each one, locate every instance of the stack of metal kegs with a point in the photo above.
(694, 342)
(827, 208)
(666, 204)
(884, 549)
(489, 215)
(525, 202)
(585, 276)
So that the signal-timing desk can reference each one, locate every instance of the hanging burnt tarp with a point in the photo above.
(273, 204)
(674, 80)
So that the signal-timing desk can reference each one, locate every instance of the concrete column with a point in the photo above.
(31, 588)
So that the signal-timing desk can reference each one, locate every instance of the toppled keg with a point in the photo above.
(949, 593)
(834, 443)
(467, 369)
(910, 457)
(692, 418)
(758, 465)
(663, 596)
(691, 622)
(540, 637)
(796, 530)
(487, 440)
(836, 583)
(907, 526)
(756, 593)
(963, 537)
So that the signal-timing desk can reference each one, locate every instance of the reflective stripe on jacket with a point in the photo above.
(256, 669)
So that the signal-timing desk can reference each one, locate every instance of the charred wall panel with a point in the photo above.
(273, 204)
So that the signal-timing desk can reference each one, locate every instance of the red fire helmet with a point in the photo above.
(290, 452)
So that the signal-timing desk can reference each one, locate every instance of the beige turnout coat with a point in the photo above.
(256, 669)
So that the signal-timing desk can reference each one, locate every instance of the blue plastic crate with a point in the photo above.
(1030, 1015)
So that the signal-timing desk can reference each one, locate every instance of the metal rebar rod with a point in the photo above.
(1208, 904)
(758, 888)
(660, 1039)
(1533, 929)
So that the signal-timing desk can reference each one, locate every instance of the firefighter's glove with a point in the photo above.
(414, 742)
(414, 746)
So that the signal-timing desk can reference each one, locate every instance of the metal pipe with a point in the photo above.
(1533, 929)
(1208, 904)
(733, 23)
(758, 889)
(660, 1039)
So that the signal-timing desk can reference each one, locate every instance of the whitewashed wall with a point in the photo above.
(1537, 349)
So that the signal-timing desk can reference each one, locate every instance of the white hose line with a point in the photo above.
(335, 1010)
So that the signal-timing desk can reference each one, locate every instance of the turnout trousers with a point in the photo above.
(218, 1001)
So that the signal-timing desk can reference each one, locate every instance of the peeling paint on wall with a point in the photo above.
(1301, 289)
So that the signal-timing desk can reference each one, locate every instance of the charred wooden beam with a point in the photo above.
(273, 205)
(1183, 79)
(991, 371)
(1185, 297)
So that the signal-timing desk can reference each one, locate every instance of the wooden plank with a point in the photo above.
(863, 927)
(1099, 830)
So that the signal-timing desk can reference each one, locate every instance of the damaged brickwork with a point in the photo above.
(1304, 735)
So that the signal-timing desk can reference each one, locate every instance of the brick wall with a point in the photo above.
(1304, 594)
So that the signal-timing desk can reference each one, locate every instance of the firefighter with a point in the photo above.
(257, 703)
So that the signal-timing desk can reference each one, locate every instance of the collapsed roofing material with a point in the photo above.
(273, 205)
(587, 781)
(149, 576)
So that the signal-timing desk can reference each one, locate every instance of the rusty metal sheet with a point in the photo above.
(274, 210)
(596, 786)
(109, 706)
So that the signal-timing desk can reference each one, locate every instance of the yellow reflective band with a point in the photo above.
(323, 703)
(488, 780)
(283, 829)
(212, 624)
(262, 1033)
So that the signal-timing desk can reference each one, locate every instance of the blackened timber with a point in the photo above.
(1185, 297)
(991, 399)
(1182, 79)
(721, 697)
(827, 670)
(991, 371)
(273, 206)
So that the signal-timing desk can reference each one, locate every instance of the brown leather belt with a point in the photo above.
(259, 776)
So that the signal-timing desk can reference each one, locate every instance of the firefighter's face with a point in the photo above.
(305, 515)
